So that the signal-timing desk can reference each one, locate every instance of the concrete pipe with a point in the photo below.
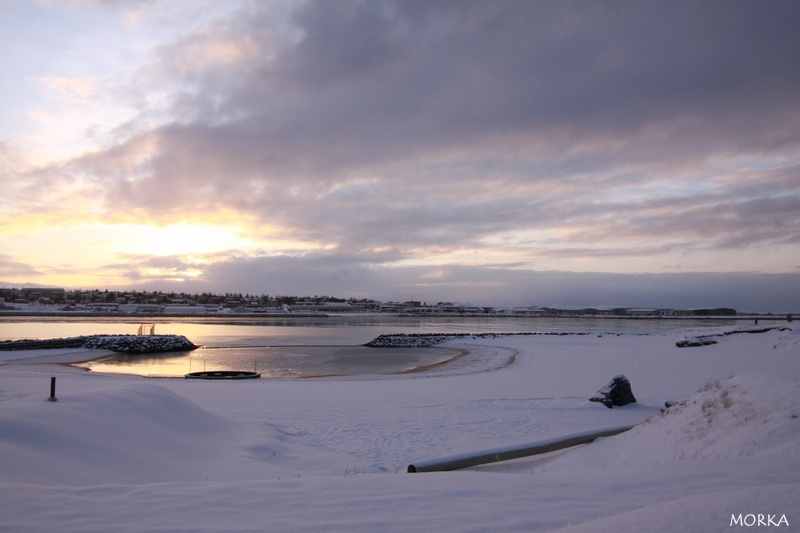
(466, 460)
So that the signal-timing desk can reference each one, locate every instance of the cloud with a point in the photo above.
(74, 91)
(499, 285)
(394, 135)
(15, 269)
(376, 94)
(415, 76)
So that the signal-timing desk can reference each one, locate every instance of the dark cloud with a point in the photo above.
(398, 77)
(504, 285)
(376, 84)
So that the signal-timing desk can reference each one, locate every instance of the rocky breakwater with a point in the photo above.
(706, 340)
(410, 340)
(140, 343)
(425, 340)
(116, 343)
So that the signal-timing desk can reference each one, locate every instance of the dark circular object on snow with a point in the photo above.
(222, 374)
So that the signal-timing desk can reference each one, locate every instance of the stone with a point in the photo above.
(667, 405)
(616, 392)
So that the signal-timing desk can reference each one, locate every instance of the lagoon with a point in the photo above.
(301, 347)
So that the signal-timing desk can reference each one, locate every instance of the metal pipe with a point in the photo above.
(466, 460)
(52, 397)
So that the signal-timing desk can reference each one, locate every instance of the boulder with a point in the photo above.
(616, 392)
(667, 405)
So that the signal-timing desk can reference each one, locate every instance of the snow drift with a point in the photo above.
(138, 433)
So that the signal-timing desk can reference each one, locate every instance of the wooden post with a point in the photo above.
(52, 397)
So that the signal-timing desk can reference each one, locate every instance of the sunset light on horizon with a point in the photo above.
(503, 153)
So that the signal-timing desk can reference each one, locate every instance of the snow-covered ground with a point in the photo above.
(118, 453)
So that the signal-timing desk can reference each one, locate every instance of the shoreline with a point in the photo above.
(270, 316)
(65, 355)
(70, 361)
(52, 360)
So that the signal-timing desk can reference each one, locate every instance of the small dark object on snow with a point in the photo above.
(615, 392)
(222, 374)
(694, 342)
(667, 405)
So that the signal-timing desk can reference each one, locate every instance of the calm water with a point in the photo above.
(300, 347)
(336, 330)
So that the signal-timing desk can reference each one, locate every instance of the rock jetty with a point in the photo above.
(693, 342)
(116, 343)
(426, 340)
(707, 340)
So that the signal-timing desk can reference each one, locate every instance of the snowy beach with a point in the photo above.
(138, 454)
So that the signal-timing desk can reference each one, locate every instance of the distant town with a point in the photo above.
(63, 302)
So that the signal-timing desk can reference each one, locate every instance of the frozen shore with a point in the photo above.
(331, 454)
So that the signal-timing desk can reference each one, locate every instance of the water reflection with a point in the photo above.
(173, 364)
(298, 347)
(288, 362)
(331, 330)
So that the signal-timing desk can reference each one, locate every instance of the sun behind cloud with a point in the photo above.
(179, 239)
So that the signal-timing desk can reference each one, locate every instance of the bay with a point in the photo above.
(297, 347)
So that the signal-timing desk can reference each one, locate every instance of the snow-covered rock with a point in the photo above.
(616, 392)
(116, 343)
(426, 340)
(140, 343)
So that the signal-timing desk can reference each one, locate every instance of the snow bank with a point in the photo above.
(752, 414)
(330, 454)
(755, 414)
(137, 433)
(749, 421)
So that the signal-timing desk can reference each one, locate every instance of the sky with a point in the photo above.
(641, 154)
